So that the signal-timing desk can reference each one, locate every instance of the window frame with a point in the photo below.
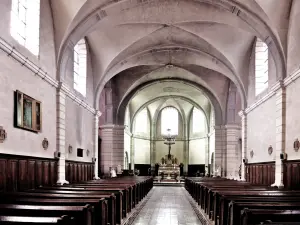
(80, 67)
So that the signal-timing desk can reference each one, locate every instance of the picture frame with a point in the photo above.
(28, 112)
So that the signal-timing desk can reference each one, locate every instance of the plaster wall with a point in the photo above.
(141, 151)
(292, 119)
(79, 131)
(14, 76)
(197, 151)
(261, 131)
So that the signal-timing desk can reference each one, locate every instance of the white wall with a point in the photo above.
(79, 131)
(141, 151)
(13, 76)
(261, 132)
(292, 119)
(197, 151)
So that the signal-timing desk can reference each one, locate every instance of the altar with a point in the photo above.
(169, 168)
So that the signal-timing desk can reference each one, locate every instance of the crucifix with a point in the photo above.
(169, 140)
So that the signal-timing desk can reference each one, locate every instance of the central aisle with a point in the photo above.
(167, 206)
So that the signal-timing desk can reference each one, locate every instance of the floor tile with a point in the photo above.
(167, 206)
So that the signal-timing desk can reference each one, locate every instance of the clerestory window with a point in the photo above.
(80, 64)
(25, 23)
(261, 66)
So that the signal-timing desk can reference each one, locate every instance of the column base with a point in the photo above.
(96, 178)
(279, 185)
(62, 182)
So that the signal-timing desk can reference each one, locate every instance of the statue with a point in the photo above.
(162, 160)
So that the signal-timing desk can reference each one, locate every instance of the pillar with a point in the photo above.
(243, 116)
(61, 134)
(206, 154)
(112, 149)
(280, 134)
(186, 156)
(132, 152)
(232, 144)
(219, 161)
(96, 137)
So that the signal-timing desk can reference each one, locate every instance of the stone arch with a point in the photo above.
(219, 117)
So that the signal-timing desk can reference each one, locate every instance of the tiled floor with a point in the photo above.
(167, 206)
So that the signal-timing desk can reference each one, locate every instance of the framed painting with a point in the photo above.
(28, 112)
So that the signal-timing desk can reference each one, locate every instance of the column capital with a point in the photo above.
(98, 113)
(233, 126)
(219, 127)
(112, 127)
(242, 113)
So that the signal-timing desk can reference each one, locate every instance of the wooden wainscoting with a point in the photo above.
(19, 173)
(260, 173)
(79, 171)
(291, 174)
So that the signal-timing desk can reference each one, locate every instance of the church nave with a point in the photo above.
(167, 206)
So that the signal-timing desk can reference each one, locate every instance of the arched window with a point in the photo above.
(169, 120)
(80, 67)
(199, 121)
(141, 121)
(261, 66)
(127, 117)
(25, 23)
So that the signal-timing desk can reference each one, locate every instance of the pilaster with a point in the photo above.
(132, 152)
(232, 147)
(61, 134)
(112, 149)
(243, 116)
(96, 137)
(280, 134)
(206, 154)
(220, 154)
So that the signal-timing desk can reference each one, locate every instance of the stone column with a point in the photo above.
(132, 152)
(186, 155)
(206, 154)
(219, 161)
(112, 149)
(96, 137)
(232, 142)
(152, 152)
(243, 116)
(61, 133)
(280, 134)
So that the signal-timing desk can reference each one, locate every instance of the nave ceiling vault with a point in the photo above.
(215, 36)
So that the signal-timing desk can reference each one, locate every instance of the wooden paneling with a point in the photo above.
(79, 171)
(19, 173)
(261, 173)
(291, 174)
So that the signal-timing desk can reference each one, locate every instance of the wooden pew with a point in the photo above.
(256, 216)
(235, 208)
(75, 197)
(100, 214)
(26, 220)
(118, 194)
(82, 214)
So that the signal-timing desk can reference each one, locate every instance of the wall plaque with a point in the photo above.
(270, 150)
(3, 134)
(45, 143)
(296, 145)
(251, 153)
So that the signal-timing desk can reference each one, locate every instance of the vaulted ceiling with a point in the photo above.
(209, 42)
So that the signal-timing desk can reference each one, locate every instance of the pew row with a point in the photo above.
(229, 202)
(104, 202)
